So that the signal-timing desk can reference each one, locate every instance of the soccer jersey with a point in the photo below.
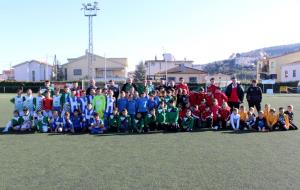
(73, 102)
(110, 102)
(99, 104)
(28, 103)
(187, 122)
(38, 103)
(56, 102)
(18, 101)
(161, 115)
(83, 101)
(47, 104)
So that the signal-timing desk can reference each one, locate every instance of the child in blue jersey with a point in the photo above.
(73, 101)
(142, 104)
(18, 102)
(67, 123)
(97, 125)
(122, 101)
(28, 101)
(77, 122)
(38, 101)
(87, 115)
(110, 105)
(56, 104)
(56, 123)
(131, 106)
(83, 101)
(151, 103)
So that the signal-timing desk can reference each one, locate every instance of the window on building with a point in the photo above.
(193, 80)
(294, 73)
(286, 74)
(100, 73)
(77, 72)
(171, 78)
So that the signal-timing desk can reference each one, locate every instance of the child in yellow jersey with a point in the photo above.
(283, 121)
(243, 118)
(267, 110)
(272, 119)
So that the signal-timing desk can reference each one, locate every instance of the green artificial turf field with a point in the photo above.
(198, 160)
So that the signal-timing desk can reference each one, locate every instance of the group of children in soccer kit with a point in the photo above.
(72, 111)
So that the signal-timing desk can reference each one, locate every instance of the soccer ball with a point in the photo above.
(60, 130)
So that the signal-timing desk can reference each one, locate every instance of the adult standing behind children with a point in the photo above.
(92, 86)
(114, 87)
(235, 94)
(129, 85)
(254, 96)
(47, 87)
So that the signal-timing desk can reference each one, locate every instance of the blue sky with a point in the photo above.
(199, 30)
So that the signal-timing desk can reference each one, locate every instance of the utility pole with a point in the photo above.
(90, 11)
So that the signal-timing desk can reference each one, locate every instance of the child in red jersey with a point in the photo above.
(224, 115)
(206, 118)
(220, 96)
(47, 105)
(215, 112)
(196, 115)
(209, 99)
(202, 106)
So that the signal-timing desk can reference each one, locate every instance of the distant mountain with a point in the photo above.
(243, 64)
(273, 51)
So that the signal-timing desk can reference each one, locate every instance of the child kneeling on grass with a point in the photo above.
(56, 123)
(14, 123)
(161, 116)
(150, 121)
(272, 119)
(139, 124)
(41, 122)
(97, 125)
(26, 121)
(67, 123)
(187, 121)
(113, 121)
(125, 123)
(77, 122)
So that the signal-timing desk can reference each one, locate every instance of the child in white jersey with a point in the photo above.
(18, 101)
(235, 120)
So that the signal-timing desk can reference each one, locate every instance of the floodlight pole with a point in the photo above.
(90, 11)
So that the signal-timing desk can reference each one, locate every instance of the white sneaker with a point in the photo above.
(245, 129)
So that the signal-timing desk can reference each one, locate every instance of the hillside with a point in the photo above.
(243, 65)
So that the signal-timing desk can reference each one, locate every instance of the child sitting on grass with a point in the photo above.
(172, 116)
(224, 115)
(250, 119)
(283, 121)
(272, 119)
(235, 120)
(261, 122)
(14, 123)
(243, 118)
(77, 122)
(161, 116)
(290, 113)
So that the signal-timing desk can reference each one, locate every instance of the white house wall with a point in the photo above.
(289, 69)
